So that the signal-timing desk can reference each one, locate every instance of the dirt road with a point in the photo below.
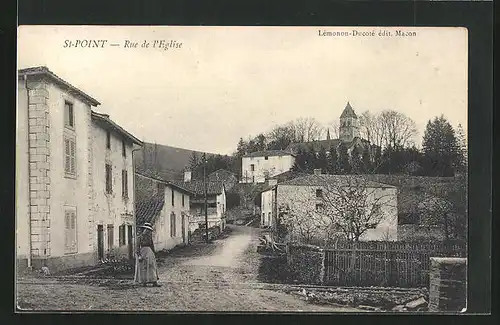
(224, 279)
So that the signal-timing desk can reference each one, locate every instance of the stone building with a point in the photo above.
(257, 167)
(62, 174)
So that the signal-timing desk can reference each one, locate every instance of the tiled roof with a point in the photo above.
(325, 144)
(198, 186)
(105, 121)
(348, 111)
(178, 185)
(148, 209)
(46, 72)
(269, 153)
(336, 180)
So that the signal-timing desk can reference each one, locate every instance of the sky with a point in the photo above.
(224, 83)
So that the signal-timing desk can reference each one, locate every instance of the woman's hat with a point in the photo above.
(147, 225)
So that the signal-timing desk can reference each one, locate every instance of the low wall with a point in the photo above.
(56, 264)
(448, 284)
(306, 263)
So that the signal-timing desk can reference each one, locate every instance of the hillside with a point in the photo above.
(171, 161)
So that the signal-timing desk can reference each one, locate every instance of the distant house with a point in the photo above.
(72, 185)
(258, 166)
(166, 206)
(229, 179)
(307, 197)
(216, 201)
(349, 136)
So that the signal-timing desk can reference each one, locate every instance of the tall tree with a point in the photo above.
(462, 153)
(332, 160)
(343, 165)
(241, 148)
(440, 147)
(398, 129)
(356, 162)
(322, 159)
(307, 129)
(366, 160)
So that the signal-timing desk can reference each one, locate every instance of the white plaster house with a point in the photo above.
(113, 186)
(166, 206)
(58, 172)
(257, 167)
(309, 199)
(216, 201)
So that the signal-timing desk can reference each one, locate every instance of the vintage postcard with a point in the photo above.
(241, 169)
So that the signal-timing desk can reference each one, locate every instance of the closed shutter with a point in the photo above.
(73, 232)
(72, 157)
(67, 228)
(67, 158)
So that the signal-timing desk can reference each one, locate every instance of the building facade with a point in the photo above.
(56, 176)
(312, 201)
(112, 187)
(257, 167)
(167, 207)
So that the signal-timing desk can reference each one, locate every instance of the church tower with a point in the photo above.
(349, 124)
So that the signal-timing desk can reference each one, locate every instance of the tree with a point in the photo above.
(321, 160)
(398, 129)
(241, 148)
(440, 148)
(334, 127)
(307, 129)
(366, 160)
(343, 165)
(332, 160)
(280, 137)
(356, 162)
(446, 207)
(300, 161)
(461, 164)
(347, 207)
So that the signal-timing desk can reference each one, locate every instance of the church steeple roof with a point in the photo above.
(328, 134)
(348, 111)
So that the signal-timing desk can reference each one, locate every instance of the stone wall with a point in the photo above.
(306, 263)
(448, 284)
(39, 165)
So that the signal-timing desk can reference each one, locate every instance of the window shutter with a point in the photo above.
(66, 230)
(72, 154)
(67, 161)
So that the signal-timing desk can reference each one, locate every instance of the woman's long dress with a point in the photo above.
(146, 268)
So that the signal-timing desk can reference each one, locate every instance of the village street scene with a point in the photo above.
(250, 169)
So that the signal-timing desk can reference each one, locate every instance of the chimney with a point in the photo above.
(317, 171)
(272, 182)
(187, 176)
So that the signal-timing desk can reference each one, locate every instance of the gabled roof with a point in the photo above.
(335, 180)
(198, 186)
(348, 111)
(269, 153)
(176, 185)
(325, 144)
(106, 122)
(147, 210)
(44, 71)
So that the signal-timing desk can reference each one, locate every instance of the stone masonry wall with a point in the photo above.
(90, 183)
(39, 160)
(448, 284)
(306, 263)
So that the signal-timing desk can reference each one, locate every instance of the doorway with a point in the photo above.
(130, 242)
(183, 228)
(100, 242)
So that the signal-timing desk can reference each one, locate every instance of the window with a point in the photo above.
(124, 149)
(182, 200)
(319, 206)
(172, 225)
(253, 179)
(108, 140)
(110, 236)
(124, 184)
(266, 158)
(69, 117)
(173, 197)
(319, 192)
(70, 243)
(109, 179)
(252, 167)
(121, 235)
(69, 156)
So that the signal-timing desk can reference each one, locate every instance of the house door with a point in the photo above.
(100, 242)
(130, 241)
(183, 228)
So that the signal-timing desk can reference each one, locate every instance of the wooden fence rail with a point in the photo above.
(391, 264)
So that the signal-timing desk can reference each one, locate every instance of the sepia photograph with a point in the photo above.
(241, 169)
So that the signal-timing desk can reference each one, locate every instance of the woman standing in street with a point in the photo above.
(145, 265)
